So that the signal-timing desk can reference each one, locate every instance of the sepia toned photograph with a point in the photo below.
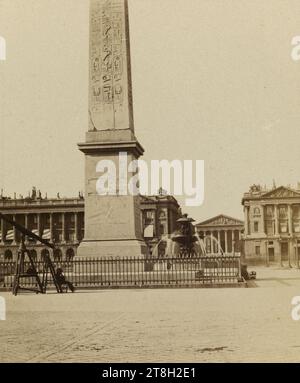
(149, 183)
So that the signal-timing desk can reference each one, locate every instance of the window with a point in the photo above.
(149, 214)
(269, 212)
(57, 255)
(71, 237)
(255, 227)
(296, 212)
(70, 255)
(256, 211)
(297, 226)
(45, 254)
(149, 218)
(257, 250)
(270, 227)
(8, 256)
(282, 212)
(283, 226)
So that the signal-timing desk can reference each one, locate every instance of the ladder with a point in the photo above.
(21, 274)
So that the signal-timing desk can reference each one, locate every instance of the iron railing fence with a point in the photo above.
(136, 272)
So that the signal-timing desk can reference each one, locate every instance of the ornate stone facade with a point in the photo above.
(272, 225)
(61, 221)
(222, 234)
(159, 218)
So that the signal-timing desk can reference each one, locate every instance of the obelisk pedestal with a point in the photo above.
(112, 222)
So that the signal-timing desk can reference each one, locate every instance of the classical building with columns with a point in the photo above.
(61, 222)
(272, 225)
(159, 217)
(222, 234)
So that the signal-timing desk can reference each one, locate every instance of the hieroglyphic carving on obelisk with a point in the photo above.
(112, 222)
(110, 104)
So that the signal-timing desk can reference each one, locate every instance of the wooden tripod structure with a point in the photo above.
(21, 273)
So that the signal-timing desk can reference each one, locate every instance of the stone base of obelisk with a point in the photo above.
(112, 226)
(114, 249)
(112, 222)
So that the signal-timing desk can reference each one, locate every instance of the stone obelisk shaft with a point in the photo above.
(112, 222)
(110, 98)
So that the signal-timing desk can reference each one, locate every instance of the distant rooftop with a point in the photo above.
(35, 197)
(257, 192)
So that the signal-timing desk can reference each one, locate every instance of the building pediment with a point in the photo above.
(281, 192)
(221, 220)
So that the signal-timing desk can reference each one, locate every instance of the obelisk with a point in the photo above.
(112, 222)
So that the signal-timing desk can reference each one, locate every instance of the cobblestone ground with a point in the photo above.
(176, 325)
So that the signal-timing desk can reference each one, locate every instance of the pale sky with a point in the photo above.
(212, 80)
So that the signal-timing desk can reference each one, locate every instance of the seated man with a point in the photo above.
(61, 279)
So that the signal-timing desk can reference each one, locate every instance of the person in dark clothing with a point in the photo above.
(61, 279)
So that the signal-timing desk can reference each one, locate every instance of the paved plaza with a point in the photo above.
(153, 325)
